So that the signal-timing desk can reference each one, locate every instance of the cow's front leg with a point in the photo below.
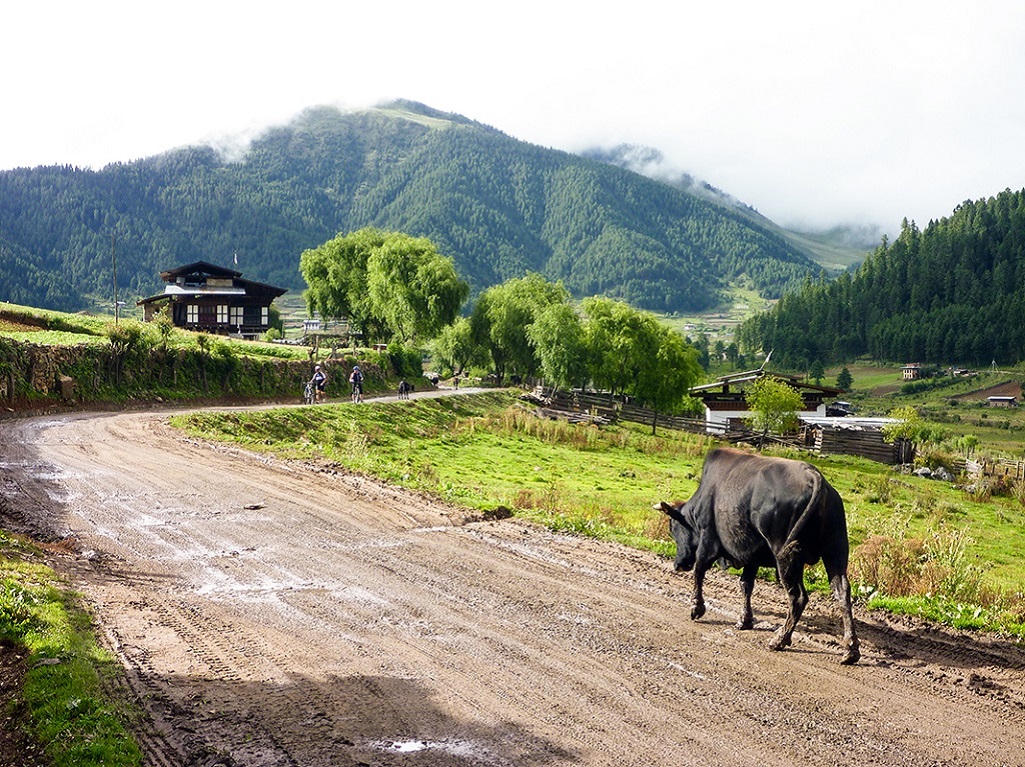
(697, 605)
(747, 585)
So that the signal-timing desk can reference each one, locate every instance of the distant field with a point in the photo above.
(719, 323)
(872, 379)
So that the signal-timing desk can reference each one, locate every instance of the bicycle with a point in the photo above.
(309, 394)
(357, 393)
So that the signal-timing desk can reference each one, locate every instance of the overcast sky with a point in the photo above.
(815, 113)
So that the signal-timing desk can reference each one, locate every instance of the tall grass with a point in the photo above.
(934, 576)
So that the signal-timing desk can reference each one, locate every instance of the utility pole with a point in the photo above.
(113, 260)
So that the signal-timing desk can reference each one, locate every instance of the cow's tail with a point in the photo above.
(808, 513)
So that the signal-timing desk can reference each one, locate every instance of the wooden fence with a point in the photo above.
(592, 407)
(604, 408)
(996, 468)
(867, 443)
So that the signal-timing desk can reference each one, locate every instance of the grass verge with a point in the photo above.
(927, 546)
(64, 697)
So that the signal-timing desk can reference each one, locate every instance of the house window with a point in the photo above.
(265, 316)
(192, 314)
(236, 315)
(222, 314)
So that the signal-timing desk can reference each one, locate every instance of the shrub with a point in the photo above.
(1018, 491)
(407, 362)
(935, 565)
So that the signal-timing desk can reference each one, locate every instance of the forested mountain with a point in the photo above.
(953, 293)
(834, 249)
(498, 206)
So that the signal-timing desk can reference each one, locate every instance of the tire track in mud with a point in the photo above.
(339, 621)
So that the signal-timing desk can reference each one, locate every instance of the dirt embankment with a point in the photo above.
(274, 614)
(1005, 389)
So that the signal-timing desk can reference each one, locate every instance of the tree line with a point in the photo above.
(390, 285)
(953, 293)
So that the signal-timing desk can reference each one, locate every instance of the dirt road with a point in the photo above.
(275, 614)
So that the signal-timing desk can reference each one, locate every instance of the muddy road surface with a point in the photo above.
(273, 614)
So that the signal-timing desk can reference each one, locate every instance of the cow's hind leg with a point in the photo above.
(841, 588)
(791, 575)
(747, 585)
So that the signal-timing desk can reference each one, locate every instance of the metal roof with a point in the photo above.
(849, 421)
(753, 375)
(180, 290)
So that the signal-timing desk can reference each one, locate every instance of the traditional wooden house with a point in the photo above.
(725, 400)
(213, 299)
(912, 371)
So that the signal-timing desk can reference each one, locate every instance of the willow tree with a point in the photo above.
(633, 353)
(662, 384)
(622, 341)
(336, 279)
(559, 341)
(384, 283)
(503, 316)
(413, 287)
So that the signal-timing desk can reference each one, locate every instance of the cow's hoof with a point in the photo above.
(745, 624)
(853, 656)
(779, 642)
(696, 612)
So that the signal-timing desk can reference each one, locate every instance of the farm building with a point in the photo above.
(1002, 401)
(854, 435)
(912, 372)
(725, 400)
(213, 299)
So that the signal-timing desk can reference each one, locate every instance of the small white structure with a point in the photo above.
(1002, 402)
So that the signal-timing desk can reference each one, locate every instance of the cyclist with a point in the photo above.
(319, 382)
(356, 379)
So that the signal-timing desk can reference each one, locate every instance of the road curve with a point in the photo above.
(270, 613)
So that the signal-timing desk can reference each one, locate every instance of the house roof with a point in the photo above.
(748, 376)
(202, 270)
(848, 422)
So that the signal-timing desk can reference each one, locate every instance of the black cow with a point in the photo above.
(404, 389)
(754, 511)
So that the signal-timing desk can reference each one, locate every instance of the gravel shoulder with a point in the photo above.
(270, 613)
